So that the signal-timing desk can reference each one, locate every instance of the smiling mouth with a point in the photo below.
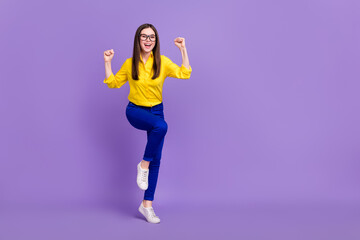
(147, 45)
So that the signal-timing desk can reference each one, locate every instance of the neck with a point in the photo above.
(145, 55)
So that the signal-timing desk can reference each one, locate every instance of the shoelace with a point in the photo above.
(152, 213)
(144, 176)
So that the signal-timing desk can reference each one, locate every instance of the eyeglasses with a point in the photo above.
(143, 37)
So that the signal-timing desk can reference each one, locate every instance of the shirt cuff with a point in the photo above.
(185, 70)
(109, 79)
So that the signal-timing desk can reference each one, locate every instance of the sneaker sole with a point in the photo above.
(140, 210)
(142, 188)
(138, 183)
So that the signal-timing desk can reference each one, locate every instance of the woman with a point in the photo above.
(146, 72)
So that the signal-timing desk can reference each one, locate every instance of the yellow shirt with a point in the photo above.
(146, 91)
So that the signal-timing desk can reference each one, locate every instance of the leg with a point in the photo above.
(153, 124)
(152, 120)
(153, 176)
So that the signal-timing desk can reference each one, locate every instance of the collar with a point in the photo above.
(151, 56)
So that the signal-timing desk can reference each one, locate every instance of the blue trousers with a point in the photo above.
(150, 119)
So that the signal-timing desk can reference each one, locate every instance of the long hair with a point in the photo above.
(137, 49)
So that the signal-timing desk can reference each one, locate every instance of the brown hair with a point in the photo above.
(137, 49)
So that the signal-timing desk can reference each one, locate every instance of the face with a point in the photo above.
(147, 45)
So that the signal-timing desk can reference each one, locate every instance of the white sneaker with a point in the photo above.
(142, 177)
(149, 214)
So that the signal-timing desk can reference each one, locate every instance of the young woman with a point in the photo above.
(146, 72)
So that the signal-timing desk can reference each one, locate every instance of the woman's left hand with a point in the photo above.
(180, 42)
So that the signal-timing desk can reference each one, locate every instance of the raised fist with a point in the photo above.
(108, 55)
(180, 42)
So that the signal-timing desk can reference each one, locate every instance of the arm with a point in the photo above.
(180, 43)
(185, 70)
(108, 56)
(173, 70)
(108, 70)
(116, 81)
(185, 58)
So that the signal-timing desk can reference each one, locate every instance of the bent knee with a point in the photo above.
(161, 127)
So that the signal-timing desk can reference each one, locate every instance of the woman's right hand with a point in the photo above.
(108, 55)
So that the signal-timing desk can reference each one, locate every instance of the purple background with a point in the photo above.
(263, 139)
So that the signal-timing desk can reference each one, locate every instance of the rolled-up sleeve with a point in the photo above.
(173, 70)
(120, 78)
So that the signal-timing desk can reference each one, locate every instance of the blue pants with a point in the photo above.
(150, 119)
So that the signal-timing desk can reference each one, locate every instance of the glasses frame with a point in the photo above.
(147, 36)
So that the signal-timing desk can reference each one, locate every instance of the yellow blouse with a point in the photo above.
(146, 91)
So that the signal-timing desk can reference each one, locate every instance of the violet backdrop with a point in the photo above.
(269, 115)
